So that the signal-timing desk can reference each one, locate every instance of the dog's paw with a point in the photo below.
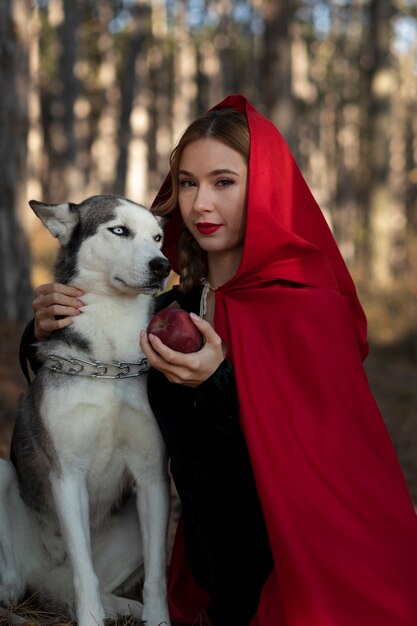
(11, 593)
(115, 606)
(158, 617)
(91, 616)
(155, 606)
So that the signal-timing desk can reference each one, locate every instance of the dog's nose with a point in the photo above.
(159, 267)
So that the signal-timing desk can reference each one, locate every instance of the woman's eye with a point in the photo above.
(157, 238)
(186, 183)
(120, 231)
(225, 182)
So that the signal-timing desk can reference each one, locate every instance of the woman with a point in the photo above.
(273, 419)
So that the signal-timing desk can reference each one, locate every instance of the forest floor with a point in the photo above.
(392, 373)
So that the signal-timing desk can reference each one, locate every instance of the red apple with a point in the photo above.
(175, 329)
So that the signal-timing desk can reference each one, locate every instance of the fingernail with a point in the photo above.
(195, 317)
(79, 292)
(80, 303)
(142, 333)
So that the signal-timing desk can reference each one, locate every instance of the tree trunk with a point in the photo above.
(277, 68)
(159, 137)
(131, 85)
(104, 149)
(382, 90)
(15, 286)
(59, 94)
(185, 87)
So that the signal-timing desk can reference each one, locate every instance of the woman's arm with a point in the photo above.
(218, 393)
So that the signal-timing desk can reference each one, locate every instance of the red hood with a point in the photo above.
(287, 236)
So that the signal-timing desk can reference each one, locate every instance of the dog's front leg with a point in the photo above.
(153, 509)
(71, 501)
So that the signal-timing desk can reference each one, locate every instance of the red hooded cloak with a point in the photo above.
(341, 524)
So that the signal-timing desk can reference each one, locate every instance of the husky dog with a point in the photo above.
(86, 501)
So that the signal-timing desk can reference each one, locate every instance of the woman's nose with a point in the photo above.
(202, 201)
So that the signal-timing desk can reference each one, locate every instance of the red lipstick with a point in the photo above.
(207, 228)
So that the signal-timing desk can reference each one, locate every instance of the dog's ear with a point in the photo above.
(59, 219)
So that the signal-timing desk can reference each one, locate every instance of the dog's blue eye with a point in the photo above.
(157, 238)
(120, 231)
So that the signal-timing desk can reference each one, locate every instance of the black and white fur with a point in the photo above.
(87, 501)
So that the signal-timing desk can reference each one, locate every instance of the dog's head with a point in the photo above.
(107, 243)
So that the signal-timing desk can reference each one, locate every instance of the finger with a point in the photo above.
(211, 338)
(170, 356)
(45, 327)
(56, 293)
(52, 324)
(68, 290)
(144, 343)
(206, 329)
(54, 299)
(56, 310)
(165, 363)
(153, 357)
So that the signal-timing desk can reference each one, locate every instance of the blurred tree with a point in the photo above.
(15, 18)
(277, 67)
(104, 152)
(185, 72)
(131, 131)
(120, 79)
(160, 76)
(382, 88)
(60, 34)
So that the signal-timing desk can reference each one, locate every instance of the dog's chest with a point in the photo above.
(112, 328)
(102, 426)
(94, 422)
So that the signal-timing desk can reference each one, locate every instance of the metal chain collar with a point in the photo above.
(95, 369)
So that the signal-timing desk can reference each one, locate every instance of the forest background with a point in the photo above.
(94, 94)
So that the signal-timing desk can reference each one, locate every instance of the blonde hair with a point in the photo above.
(231, 128)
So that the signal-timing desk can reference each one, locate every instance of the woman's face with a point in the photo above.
(212, 195)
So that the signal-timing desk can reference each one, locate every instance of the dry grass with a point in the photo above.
(30, 613)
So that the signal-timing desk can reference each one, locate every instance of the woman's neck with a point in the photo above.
(222, 266)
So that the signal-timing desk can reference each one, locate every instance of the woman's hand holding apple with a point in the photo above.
(190, 369)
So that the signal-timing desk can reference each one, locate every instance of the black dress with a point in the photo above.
(224, 531)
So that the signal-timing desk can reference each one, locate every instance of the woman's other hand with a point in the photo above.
(186, 369)
(54, 306)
